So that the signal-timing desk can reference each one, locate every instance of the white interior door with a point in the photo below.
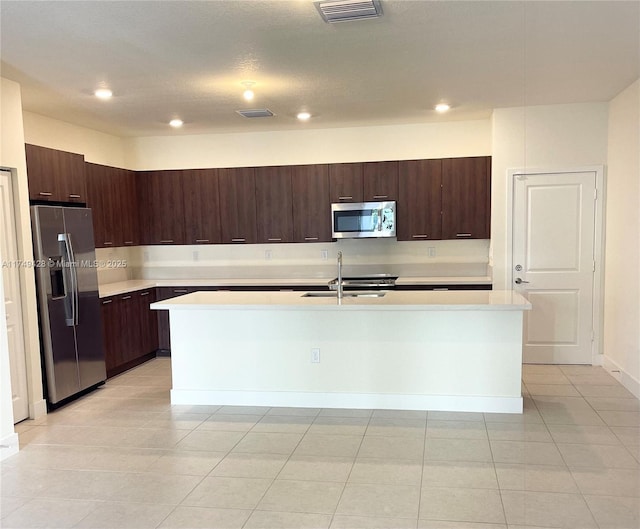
(553, 264)
(12, 303)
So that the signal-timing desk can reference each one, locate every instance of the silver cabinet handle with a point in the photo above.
(71, 195)
(240, 239)
(311, 238)
(375, 197)
(202, 240)
(274, 239)
(107, 243)
(463, 235)
(144, 294)
(519, 281)
(166, 241)
(44, 194)
(345, 198)
(128, 242)
(421, 236)
(107, 302)
(180, 291)
(126, 297)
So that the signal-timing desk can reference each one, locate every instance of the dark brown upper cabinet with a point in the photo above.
(100, 198)
(161, 213)
(112, 197)
(237, 188)
(126, 199)
(466, 198)
(274, 208)
(345, 182)
(202, 206)
(311, 203)
(380, 181)
(419, 200)
(55, 175)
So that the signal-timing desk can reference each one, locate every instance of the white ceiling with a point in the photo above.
(187, 59)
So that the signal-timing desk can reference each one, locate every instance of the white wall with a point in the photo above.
(398, 142)
(541, 137)
(12, 157)
(97, 147)
(622, 257)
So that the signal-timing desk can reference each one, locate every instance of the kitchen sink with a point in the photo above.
(334, 294)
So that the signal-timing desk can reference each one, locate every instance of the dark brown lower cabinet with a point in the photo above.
(130, 330)
(162, 318)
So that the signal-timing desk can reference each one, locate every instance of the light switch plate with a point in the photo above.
(315, 355)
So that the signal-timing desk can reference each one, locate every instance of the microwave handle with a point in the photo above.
(380, 219)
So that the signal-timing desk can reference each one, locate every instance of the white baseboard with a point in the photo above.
(348, 400)
(9, 446)
(629, 382)
(37, 409)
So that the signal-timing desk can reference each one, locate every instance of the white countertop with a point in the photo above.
(451, 300)
(124, 287)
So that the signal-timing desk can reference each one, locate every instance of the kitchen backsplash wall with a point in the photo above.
(437, 258)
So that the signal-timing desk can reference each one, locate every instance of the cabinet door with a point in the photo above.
(466, 192)
(111, 332)
(161, 207)
(98, 200)
(126, 200)
(130, 331)
(419, 200)
(70, 176)
(237, 188)
(311, 204)
(202, 204)
(345, 182)
(380, 181)
(148, 322)
(39, 173)
(274, 209)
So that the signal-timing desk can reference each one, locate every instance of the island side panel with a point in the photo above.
(450, 360)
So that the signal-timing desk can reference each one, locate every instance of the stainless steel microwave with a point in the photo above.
(363, 219)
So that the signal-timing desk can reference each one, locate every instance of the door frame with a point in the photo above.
(597, 355)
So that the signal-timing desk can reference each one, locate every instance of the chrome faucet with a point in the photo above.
(339, 275)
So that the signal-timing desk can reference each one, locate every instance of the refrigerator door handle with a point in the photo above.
(74, 273)
(70, 280)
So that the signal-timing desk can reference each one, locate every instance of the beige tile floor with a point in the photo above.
(124, 457)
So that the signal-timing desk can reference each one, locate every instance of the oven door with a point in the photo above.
(364, 219)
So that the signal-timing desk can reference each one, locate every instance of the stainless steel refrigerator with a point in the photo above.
(68, 301)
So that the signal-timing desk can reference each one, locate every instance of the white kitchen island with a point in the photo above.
(414, 350)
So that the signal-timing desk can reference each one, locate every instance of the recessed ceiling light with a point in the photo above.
(103, 93)
(442, 107)
(248, 94)
(304, 116)
(176, 123)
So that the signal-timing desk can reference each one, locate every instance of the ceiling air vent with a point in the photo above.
(256, 113)
(344, 10)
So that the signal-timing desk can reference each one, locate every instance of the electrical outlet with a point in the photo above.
(431, 251)
(315, 355)
(196, 255)
(324, 255)
(267, 255)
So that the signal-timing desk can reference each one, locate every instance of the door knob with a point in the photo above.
(519, 281)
